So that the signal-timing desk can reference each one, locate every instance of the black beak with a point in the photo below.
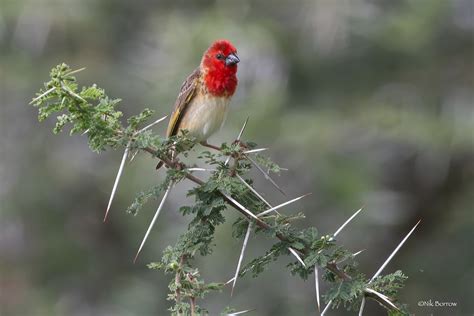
(232, 59)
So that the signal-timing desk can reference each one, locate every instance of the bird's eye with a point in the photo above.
(220, 56)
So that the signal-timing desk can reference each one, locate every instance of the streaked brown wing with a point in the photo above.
(186, 94)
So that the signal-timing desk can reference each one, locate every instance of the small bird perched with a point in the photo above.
(202, 103)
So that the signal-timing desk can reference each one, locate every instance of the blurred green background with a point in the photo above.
(367, 103)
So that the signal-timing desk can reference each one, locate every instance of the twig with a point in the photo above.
(192, 302)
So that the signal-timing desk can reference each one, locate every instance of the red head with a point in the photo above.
(219, 64)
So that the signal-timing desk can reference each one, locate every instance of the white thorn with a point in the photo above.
(342, 226)
(152, 124)
(246, 211)
(316, 284)
(243, 128)
(393, 253)
(383, 297)
(251, 267)
(199, 169)
(117, 179)
(238, 138)
(326, 308)
(362, 305)
(252, 189)
(253, 151)
(293, 251)
(242, 252)
(346, 222)
(265, 174)
(283, 204)
(75, 71)
(153, 221)
(353, 256)
(134, 155)
(77, 96)
(241, 312)
(42, 95)
(381, 269)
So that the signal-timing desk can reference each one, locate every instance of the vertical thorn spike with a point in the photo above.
(243, 128)
(152, 223)
(117, 179)
(242, 252)
(362, 305)
(316, 284)
(238, 137)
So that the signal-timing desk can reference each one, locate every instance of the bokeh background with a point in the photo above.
(367, 103)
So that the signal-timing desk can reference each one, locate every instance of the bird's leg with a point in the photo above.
(206, 144)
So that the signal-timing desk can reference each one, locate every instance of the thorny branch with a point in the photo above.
(170, 164)
(102, 125)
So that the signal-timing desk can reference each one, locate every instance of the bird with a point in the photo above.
(203, 100)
